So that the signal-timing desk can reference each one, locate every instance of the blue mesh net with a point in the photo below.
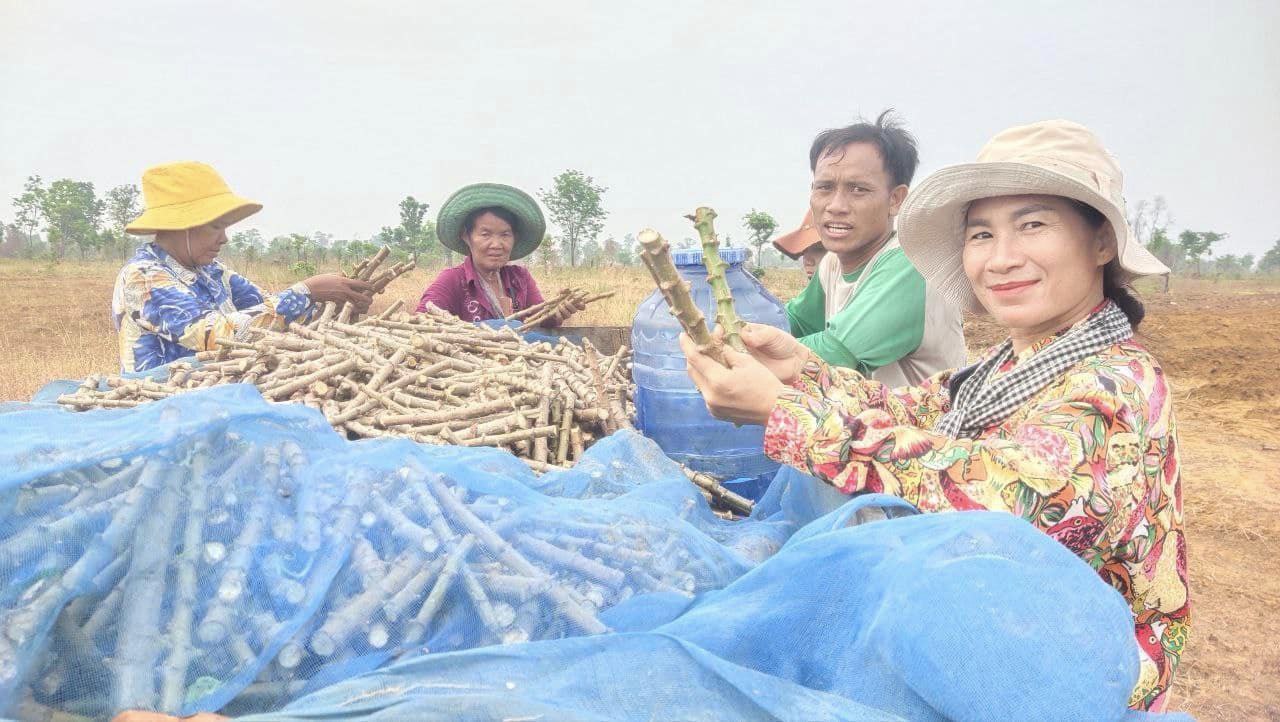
(215, 552)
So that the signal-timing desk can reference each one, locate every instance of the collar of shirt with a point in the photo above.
(1040, 345)
(155, 253)
(509, 279)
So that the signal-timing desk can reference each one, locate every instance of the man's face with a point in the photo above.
(853, 198)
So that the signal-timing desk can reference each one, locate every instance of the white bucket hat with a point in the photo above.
(1052, 157)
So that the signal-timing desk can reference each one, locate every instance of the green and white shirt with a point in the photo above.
(881, 319)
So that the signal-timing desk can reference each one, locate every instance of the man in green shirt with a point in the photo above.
(867, 307)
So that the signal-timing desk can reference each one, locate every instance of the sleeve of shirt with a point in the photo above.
(1054, 451)
(807, 311)
(883, 322)
(1079, 449)
(167, 308)
(443, 293)
(290, 304)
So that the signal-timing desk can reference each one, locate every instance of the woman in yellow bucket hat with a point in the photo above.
(174, 298)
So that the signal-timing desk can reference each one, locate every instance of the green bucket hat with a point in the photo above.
(530, 225)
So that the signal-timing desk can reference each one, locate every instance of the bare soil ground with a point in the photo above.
(1218, 341)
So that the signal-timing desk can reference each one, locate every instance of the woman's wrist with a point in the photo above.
(769, 401)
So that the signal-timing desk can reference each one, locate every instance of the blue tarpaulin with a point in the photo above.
(212, 551)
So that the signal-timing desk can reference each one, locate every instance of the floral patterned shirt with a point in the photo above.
(165, 311)
(1092, 460)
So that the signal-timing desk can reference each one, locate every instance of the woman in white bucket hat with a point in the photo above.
(1068, 423)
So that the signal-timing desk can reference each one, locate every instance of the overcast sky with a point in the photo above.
(329, 113)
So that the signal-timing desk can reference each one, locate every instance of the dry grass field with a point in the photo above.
(1219, 343)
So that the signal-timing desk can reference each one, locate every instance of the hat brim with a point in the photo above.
(931, 222)
(794, 244)
(530, 228)
(227, 207)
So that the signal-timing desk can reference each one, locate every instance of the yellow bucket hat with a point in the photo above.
(185, 195)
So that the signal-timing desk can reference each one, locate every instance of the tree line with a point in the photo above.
(1191, 251)
(69, 217)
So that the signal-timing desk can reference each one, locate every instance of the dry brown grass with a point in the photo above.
(1218, 341)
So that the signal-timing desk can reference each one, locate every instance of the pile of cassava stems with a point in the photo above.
(430, 377)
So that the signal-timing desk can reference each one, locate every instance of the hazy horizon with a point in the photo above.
(329, 117)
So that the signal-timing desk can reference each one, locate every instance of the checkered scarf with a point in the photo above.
(980, 400)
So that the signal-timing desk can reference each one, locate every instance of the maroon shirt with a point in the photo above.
(458, 291)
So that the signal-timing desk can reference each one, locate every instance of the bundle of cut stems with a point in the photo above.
(536, 314)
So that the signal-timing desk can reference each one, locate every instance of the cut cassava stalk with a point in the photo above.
(719, 493)
(562, 445)
(726, 317)
(535, 315)
(655, 252)
(539, 307)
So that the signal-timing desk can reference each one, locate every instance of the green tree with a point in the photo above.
(546, 253)
(280, 249)
(591, 253)
(627, 250)
(1169, 253)
(355, 250)
(574, 204)
(122, 206)
(1270, 262)
(1196, 244)
(299, 245)
(1148, 217)
(414, 239)
(27, 207)
(247, 244)
(1211, 238)
(761, 225)
(339, 250)
(318, 246)
(392, 237)
(610, 250)
(1228, 265)
(72, 211)
(10, 240)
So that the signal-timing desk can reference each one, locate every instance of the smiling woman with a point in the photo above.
(1068, 423)
(1034, 262)
(492, 225)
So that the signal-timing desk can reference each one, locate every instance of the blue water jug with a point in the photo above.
(669, 408)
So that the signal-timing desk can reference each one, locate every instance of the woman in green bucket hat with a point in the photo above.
(491, 224)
